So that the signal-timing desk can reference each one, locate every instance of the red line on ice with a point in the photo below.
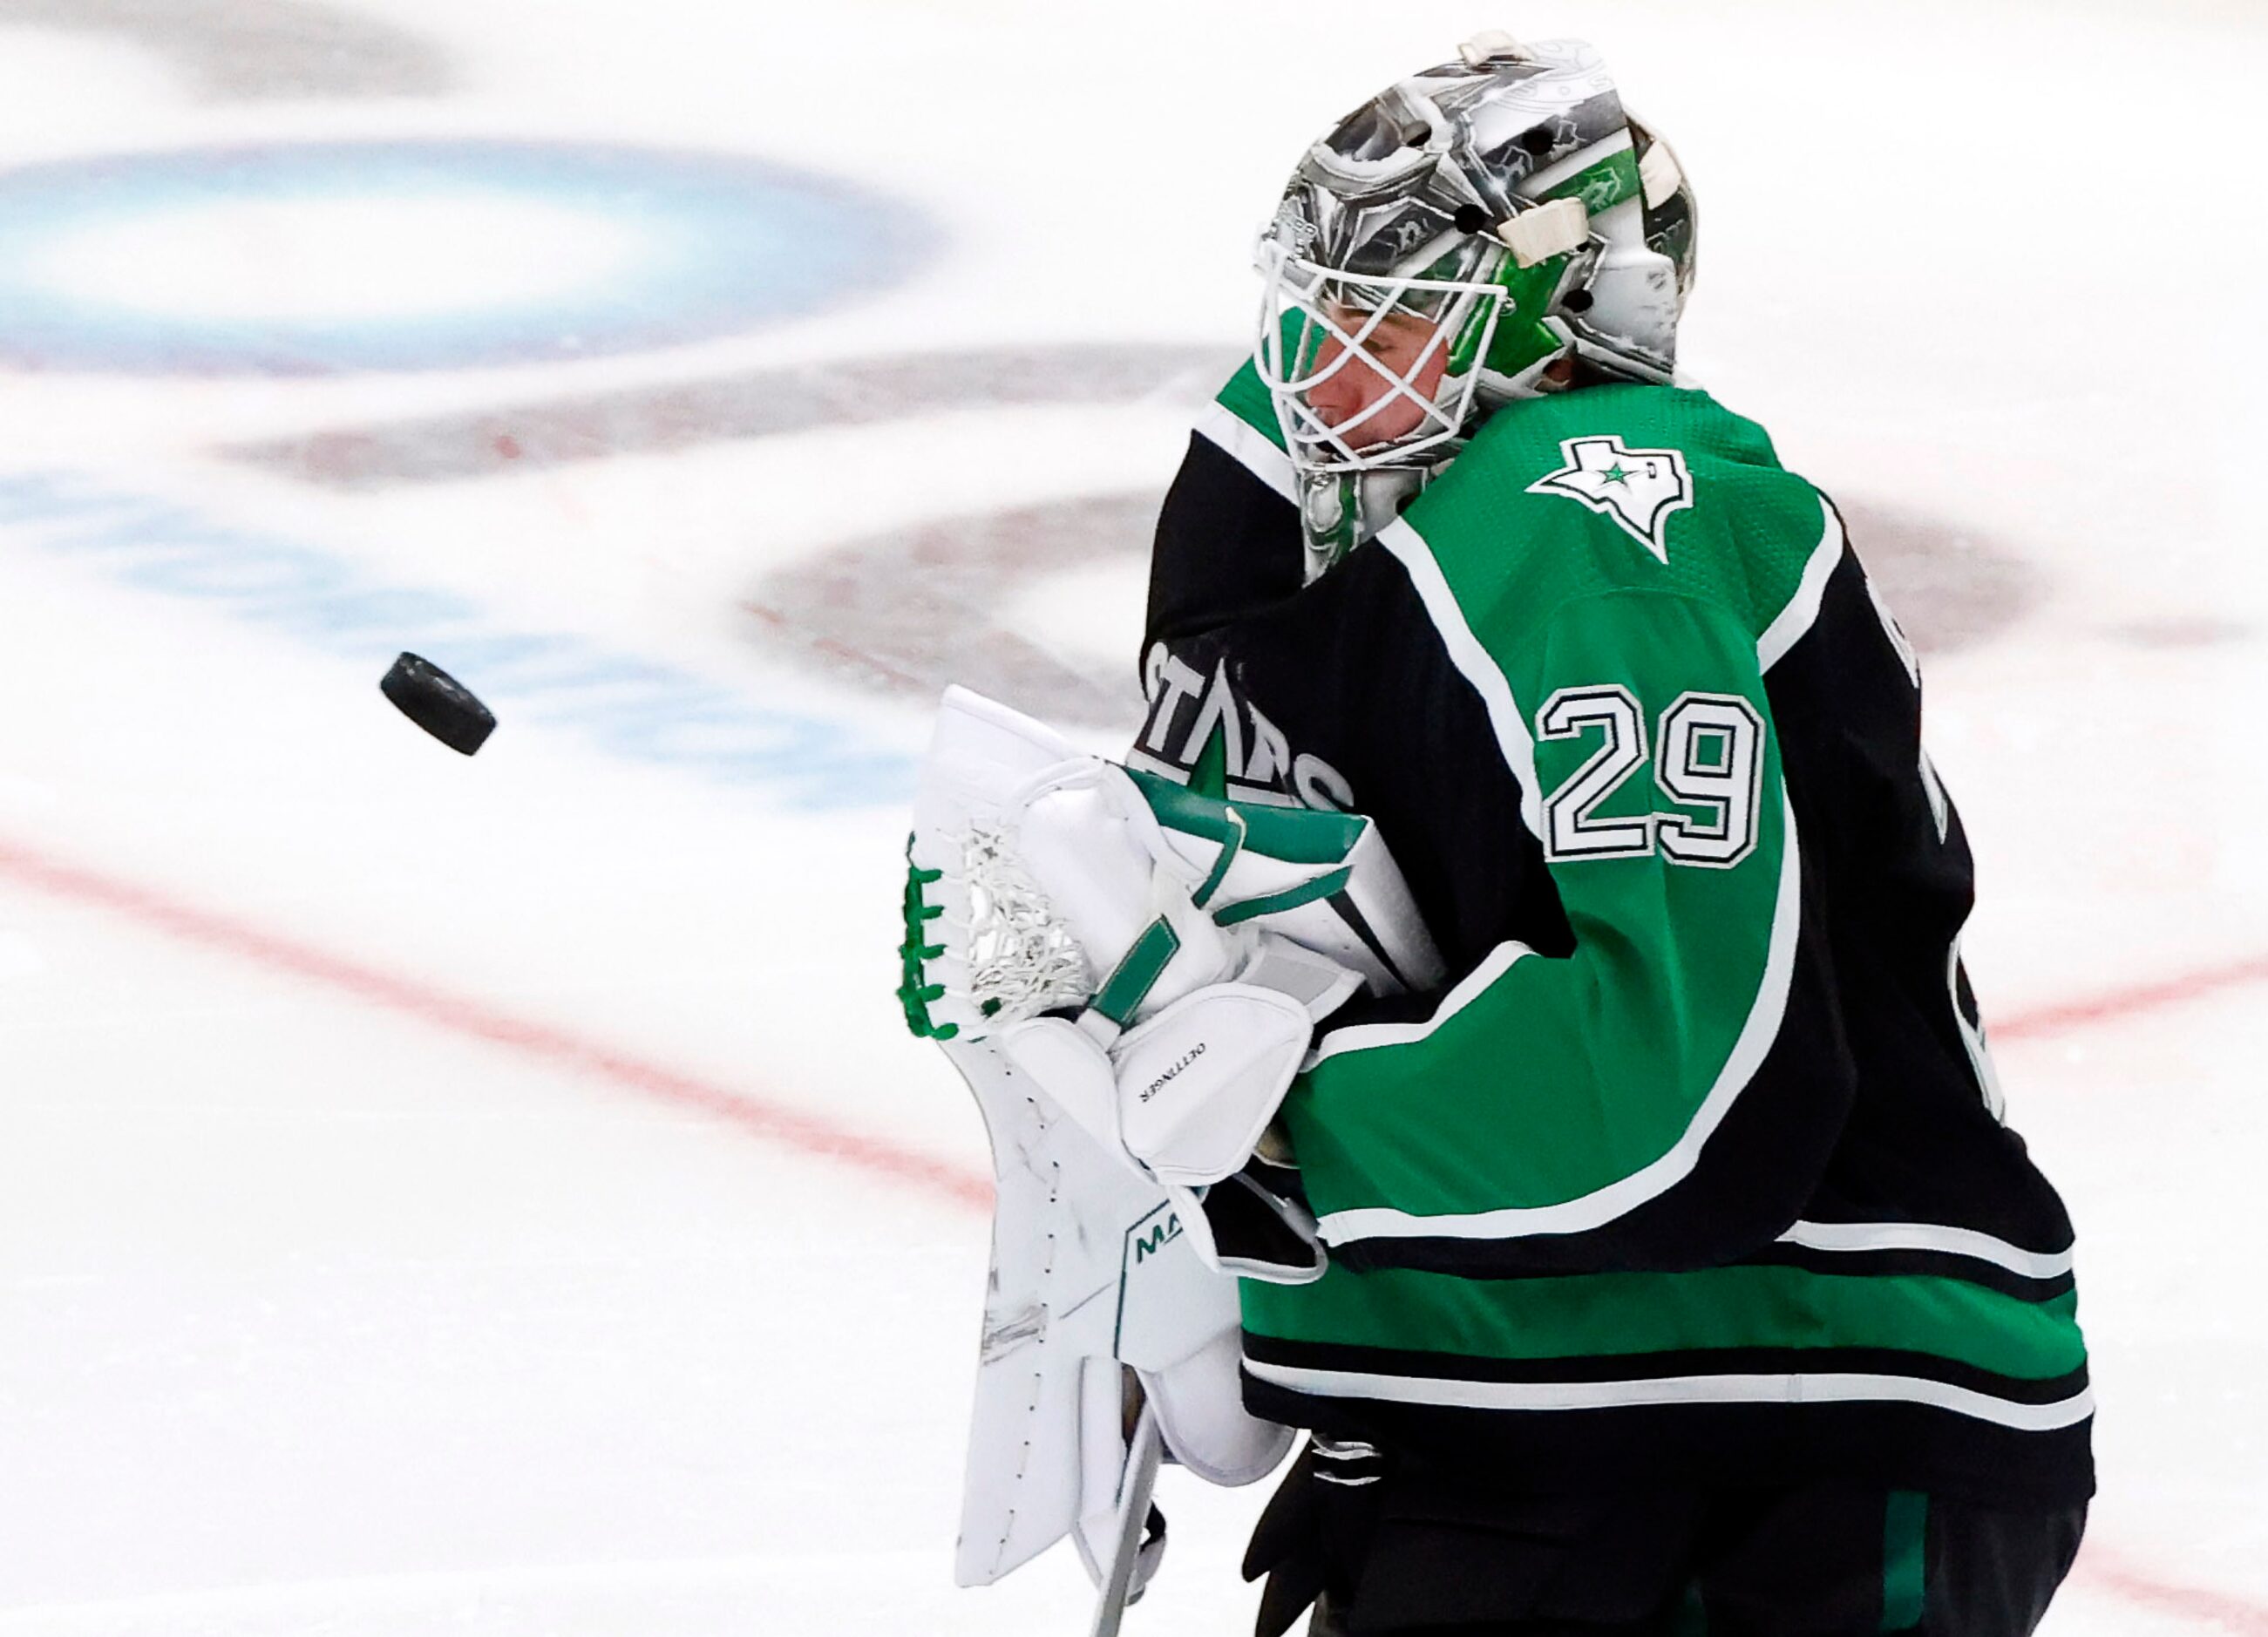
(755, 1114)
(2216, 1609)
(2125, 1003)
(802, 1133)
(799, 1133)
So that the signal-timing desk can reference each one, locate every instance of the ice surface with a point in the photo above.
(498, 1196)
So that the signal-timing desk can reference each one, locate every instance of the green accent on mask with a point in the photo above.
(1602, 186)
(1467, 346)
(1522, 339)
(915, 994)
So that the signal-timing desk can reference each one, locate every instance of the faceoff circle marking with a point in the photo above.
(320, 258)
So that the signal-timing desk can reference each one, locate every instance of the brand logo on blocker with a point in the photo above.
(1158, 1084)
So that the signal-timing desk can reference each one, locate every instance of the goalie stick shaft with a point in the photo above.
(1143, 1456)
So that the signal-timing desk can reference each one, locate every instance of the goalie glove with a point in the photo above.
(1043, 881)
(1032, 868)
(1187, 946)
(1040, 878)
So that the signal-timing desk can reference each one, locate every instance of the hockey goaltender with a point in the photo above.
(1531, 874)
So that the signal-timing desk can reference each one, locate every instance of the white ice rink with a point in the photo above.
(498, 1196)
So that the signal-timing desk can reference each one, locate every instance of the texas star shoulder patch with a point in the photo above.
(1640, 489)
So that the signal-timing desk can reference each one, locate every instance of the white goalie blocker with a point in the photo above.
(1127, 974)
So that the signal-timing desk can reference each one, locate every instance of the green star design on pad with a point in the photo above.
(1616, 474)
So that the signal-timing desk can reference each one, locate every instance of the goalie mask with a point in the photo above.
(1441, 250)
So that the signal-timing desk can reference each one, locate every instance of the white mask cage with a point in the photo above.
(1317, 322)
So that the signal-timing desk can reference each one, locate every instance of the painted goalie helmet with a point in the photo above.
(1446, 248)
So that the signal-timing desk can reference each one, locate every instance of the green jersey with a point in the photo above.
(1697, 1165)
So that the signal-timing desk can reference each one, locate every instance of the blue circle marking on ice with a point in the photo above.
(317, 258)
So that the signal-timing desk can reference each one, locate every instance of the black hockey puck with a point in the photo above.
(437, 702)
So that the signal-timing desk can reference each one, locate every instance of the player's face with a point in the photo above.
(1398, 344)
